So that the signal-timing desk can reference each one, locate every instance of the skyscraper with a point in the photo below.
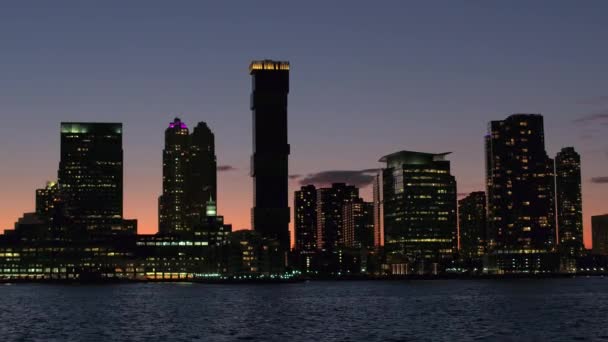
(172, 204)
(305, 225)
(358, 223)
(419, 196)
(472, 219)
(378, 211)
(520, 186)
(202, 178)
(330, 209)
(189, 177)
(569, 201)
(269, 164)
(90, 175)
(599, 234)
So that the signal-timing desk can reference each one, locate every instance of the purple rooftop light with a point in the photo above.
(177, 122)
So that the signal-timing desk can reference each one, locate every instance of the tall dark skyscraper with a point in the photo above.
(569, 201)
(330, 208)
(520, 186)
(172, 204)
(202, 178)
(90, 175)
(189, 177)
(472, 219)
(305, 221)
(269, 162)
(419, 196)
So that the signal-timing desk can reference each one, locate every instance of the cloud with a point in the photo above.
(359, 178)
(224, 168)
(594, 100)
(296, 176)
(599, 180)
(597, 118)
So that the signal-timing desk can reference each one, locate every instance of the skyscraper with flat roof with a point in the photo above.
(90, 176)
(569, 201)
(520, 186)
(330, 211)
(419, 196)
(358, 224)
(472, 221)
(305, 220)
(269, 162)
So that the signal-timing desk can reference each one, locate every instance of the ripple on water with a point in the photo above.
(458, 310)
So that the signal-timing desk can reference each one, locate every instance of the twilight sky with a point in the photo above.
(365, 81)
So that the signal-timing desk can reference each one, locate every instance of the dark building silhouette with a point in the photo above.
(330, 208)
(172, 204)
(378, 211)
(202, 178)
(472, 222)
(358, 223)
(599, 234)
(569, 201)
(520, 186)
(305, 221)
(269, 162)
(419, 196)
(189, 177)
(90, 176)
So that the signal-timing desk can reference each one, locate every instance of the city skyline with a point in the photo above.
(369, 122)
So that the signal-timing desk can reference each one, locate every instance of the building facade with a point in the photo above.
(520, 185)
(599, 234)
(189, 177)
(202, 177)
(569, 201)
(305, 220)
(520, 190)
(330, 209)
(90, 176)
(472, 223)
(172, 204)
(269, 162)
(378, 211)
(419, 196)
(358, 223)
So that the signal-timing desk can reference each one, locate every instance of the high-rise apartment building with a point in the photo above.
(569, 201)
(305, 220)
(472, 222)
(358, 223)
(520, 186)
(330, 209)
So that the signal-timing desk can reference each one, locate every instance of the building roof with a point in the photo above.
(412, 157)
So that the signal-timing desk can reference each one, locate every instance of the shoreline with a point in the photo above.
(302, 279)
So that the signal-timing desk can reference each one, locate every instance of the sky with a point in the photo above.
(367, 79)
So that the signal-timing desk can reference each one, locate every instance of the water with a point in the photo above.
(440, 310)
